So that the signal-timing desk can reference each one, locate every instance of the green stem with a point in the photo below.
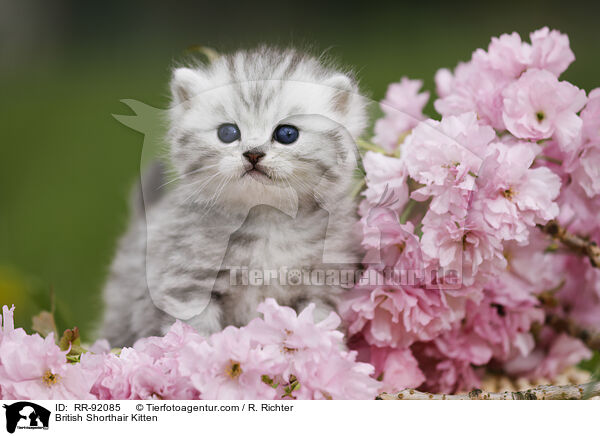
(407, 211)
(358, 188)
(550, 159)
(368, 146)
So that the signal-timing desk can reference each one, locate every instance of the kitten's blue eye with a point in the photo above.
(228, 133)
(285, 134)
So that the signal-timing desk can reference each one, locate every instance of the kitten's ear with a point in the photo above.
(342, 87)
(185, 85)
(348, 102)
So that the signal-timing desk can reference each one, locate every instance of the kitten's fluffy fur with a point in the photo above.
(175, 262)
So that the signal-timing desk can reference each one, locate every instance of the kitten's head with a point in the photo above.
(255, 125)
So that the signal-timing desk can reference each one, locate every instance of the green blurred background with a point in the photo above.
(67, 166)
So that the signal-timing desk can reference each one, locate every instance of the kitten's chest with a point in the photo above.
(276, 243)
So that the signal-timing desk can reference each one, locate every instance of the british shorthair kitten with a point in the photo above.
(262, 145)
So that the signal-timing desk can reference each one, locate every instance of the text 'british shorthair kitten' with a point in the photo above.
(262, 144)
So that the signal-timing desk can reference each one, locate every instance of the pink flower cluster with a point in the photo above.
(403, 106)
(32, 367)
(455, 262)
(279, 356)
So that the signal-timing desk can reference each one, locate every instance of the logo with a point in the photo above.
(26, 415)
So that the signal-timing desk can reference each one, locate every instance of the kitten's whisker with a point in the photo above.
(279, 179)
(291, 193)
(302, 184)
(213, 201)
(180, 177)
(183, 176)
(199, 190)
(307, 189)
(220, 191)
(203, 183)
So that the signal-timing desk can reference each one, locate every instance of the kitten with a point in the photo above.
(262, 143)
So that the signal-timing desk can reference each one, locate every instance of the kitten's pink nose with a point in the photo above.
(253, 156)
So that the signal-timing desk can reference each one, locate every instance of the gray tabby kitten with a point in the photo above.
(262, 143)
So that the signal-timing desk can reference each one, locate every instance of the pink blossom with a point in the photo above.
(403, 108)
(506, 54)
(7, 323)
(564, 352)
(533, 263)
(465, 247)
(386, 181)
(283, 329)
(512, 196)
(463, 345)
(445, 157)
(555, 354)
(580, 292)
(398, 367)
(587, 171)
(314, 354)
(228, 366)
(32, 367)
(178, 336)
(478, 85)
(498, 326)
(578, 212)
(397, 316)
(550, 51)
(392, 246)
(404, 96)
(148, 370)
(444, 83)
(591, 118)
(130, 375)
(334, 376)
(283, 355)
(474, 87)
(101, 346)
(442, 374)
(537, 106)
